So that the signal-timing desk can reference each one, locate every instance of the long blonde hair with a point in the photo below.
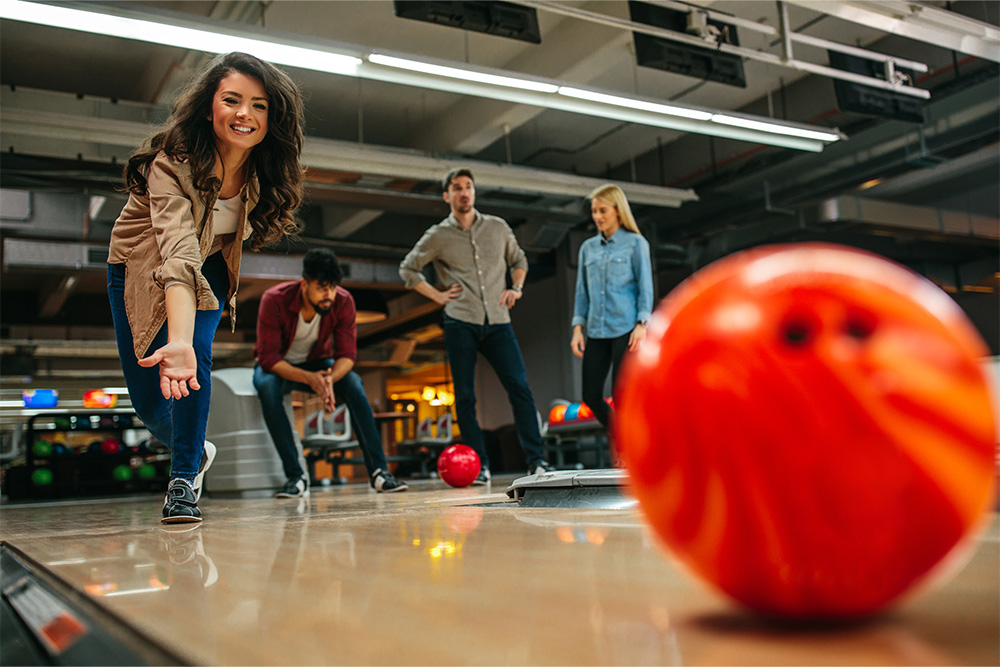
(612, 194)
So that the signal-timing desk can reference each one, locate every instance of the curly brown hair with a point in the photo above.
(274, 161)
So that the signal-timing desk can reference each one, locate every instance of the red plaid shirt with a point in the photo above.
(279, 316)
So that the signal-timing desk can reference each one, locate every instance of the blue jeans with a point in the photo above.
(178, 423)
(497, 343)
(271, 390)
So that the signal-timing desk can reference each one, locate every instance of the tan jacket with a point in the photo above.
(165, 236)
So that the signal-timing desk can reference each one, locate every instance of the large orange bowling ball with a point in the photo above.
(808, 428)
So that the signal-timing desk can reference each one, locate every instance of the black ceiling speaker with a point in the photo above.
(504, 19)
(859, 98)
(680, 57)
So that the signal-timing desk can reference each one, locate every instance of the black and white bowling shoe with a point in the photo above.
(180, 505)
(295, 487)
(385, 482)
(483, 479)
(540, 467)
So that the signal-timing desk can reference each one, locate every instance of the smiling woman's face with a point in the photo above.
(239, 112)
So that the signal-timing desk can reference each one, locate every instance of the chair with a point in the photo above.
(433, 436)
(330, 438)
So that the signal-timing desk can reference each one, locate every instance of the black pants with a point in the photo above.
(600, 355)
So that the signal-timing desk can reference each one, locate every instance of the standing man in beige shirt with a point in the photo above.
(472, 253)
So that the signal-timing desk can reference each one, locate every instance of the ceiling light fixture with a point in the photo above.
(461, 74)
(207, 35)
(630, 103)
(158, 32)
(738, 121)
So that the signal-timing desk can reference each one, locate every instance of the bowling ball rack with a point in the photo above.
(87, 453)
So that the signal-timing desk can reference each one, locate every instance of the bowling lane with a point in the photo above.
(435, 576)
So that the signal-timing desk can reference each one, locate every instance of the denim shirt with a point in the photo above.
(614, 284)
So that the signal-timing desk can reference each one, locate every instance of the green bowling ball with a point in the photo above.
(41, 477)
(122, 473)
(146, 471)
(41, 449)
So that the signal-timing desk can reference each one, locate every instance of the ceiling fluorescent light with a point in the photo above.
(775, 128)
(179, 36)
(462, 74)
(628, 103)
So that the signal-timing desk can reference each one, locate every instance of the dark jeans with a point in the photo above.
(497, 343)
(271, 390)
(599, 355)
(178, 423)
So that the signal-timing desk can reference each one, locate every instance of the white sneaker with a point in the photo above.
(206, 461)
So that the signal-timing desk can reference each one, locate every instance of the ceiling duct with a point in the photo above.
(894, 216)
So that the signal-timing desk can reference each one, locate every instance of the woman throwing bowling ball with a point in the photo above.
(614, 294)
(223, 169)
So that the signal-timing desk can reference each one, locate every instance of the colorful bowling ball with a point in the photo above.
(585, 412)
(41, 449)
(146, 471)
(458, 465)
(110, 446)
(59, 449)
(572, 412)
(122, 473)
(808, 428)
(41, 477)
(557, 413)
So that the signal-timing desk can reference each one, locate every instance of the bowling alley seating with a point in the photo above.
(572, 435)
(427, 445)
(330, 438)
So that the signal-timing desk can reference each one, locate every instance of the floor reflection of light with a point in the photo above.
(135, 591)
(100, 589)
(442, 549)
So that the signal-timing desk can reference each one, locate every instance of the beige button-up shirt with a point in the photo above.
(476, 259)
(165, 237)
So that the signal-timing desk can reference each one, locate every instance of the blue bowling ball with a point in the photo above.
(572, 412)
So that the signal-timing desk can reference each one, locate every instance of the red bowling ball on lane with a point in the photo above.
(809, 429)
(458, 465)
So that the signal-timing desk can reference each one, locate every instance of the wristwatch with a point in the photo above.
(517, 288)
(643, 322)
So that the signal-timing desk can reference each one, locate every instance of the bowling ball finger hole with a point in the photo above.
(859, 327)
(797, 334)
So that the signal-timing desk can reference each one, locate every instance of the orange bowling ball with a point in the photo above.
(458, 465)
(809, 429)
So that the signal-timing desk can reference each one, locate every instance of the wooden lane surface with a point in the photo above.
(349, 577)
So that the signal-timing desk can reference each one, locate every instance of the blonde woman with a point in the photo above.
(614, 294)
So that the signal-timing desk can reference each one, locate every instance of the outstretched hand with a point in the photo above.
(178, 369)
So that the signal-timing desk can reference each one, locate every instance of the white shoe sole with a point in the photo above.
(206, 463)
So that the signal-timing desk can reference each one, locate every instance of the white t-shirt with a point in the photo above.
(306, 335)
(227, 215)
